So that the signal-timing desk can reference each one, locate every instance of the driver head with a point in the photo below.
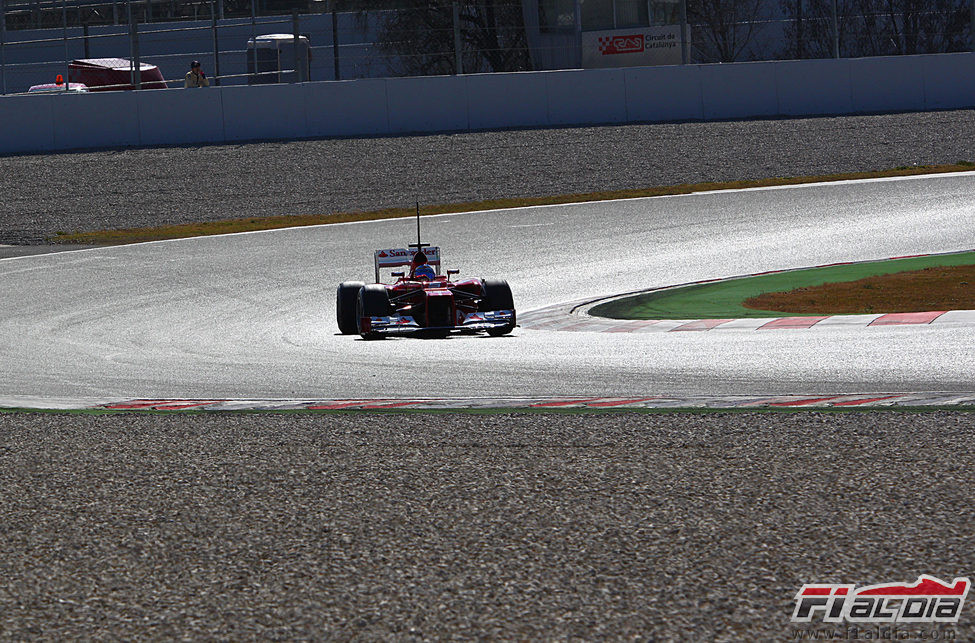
(424, 272)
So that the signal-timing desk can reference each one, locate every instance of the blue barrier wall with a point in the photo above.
(373, 107)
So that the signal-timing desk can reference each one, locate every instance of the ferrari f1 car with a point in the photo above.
(422, 301)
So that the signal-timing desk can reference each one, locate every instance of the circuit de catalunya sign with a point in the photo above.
(929, 600)
(636, 47)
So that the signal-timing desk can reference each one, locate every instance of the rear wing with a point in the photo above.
(398, 257)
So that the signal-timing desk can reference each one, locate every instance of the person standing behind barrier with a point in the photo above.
(195, 76)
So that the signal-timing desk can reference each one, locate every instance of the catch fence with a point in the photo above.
(368, 39)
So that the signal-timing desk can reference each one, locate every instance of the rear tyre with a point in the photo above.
(497, 296)
(373, 301)
(346, 299)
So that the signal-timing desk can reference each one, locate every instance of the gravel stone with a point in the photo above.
(110, 189)
(512, 527)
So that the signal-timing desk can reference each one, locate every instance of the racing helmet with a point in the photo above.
(424, 272)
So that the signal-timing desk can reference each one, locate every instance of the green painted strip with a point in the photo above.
(724, 299)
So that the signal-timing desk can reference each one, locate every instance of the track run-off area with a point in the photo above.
(251, 316)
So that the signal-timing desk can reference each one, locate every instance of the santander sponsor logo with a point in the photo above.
(395, 257)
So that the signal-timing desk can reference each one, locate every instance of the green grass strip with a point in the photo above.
(724, 299)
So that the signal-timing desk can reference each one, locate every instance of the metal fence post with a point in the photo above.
(335, 42)
(216, 45)
(295, 36)
(136, 64)
(577, 19)
(458, 51)
(836, 32)
(799, 42)
(128, 9)
(137, 58)
(253, 77)
(64, 25)
(683, 32)
(3, 47)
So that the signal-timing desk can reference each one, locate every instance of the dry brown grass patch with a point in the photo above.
(940, 288)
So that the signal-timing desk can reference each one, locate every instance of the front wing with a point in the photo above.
(405, 325)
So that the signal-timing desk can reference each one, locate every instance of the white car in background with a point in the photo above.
(54, 88)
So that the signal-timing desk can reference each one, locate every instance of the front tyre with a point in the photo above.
(346, 299)
(497, 296)
(373, 301)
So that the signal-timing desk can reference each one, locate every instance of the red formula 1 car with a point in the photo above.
(422, 301)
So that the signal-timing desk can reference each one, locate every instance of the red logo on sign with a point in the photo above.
(621, 44)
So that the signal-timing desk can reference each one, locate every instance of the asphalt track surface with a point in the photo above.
(252, 315)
